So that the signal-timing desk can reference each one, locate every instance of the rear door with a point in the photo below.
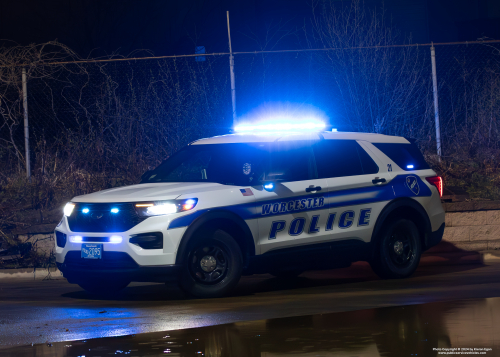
(296, 209)
(357, 189)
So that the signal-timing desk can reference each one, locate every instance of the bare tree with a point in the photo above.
(38, 61)
(378, 88)
(100, 124)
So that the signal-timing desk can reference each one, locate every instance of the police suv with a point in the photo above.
(245, 204)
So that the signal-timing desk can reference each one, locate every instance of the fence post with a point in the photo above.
(436, 105)
(26, 126)
(231, 71)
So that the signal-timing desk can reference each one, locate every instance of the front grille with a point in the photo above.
(109, 260)
(99, 217)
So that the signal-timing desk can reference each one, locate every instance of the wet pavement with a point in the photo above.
(471, 326)
(52, 311)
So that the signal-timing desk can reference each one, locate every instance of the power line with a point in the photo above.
(249, 52)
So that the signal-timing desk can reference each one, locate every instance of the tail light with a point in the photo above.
(438, 182)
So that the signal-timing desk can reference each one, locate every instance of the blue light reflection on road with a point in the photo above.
(70, 323)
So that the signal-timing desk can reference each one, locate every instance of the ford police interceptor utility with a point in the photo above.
(252, 203)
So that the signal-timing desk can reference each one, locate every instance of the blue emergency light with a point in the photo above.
(269, 186)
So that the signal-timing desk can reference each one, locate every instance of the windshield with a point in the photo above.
(228, 164)
(237, 164)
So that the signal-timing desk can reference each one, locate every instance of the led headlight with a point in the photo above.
(160, 208)
(68, 209)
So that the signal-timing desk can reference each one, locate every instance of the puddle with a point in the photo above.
(415, 330)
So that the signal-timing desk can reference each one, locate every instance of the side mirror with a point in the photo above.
(269, 186)
(270, 180)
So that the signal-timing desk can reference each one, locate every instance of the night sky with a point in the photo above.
(95, 28)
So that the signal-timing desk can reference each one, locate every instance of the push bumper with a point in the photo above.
(114, 265)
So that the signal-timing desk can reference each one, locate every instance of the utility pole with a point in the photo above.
(26, 126)
(231, 71)
(436, 105)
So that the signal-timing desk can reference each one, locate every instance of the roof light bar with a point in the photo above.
(311, 126)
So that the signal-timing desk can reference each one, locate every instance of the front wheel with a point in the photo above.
(397, 250)
(212, 266)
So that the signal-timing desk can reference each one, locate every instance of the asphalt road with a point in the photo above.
(53, 310)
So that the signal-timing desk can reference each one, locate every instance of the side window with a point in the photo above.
(406, 156)
(369, 166)
(291, 161)
(338, 158)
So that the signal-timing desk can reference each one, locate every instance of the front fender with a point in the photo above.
(225, 220)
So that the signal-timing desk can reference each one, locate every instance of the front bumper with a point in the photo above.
(125, 261)
(114, 265)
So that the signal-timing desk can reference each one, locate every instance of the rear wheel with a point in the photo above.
(103, 286)
(397, 251)
(212, 266)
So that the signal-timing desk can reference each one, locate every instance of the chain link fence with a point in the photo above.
(95, 124)
(469, 79)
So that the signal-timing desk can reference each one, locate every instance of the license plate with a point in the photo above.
(91, 251)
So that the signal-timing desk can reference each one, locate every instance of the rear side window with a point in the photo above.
(406, 156)
(340, 158)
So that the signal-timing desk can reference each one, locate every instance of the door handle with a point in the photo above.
(310, 189)
(377, 180)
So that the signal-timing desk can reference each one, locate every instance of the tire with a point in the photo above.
(212, 266)
(286, 274)
(397, 250)
(104, 286)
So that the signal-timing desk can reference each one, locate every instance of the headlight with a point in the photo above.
(68, 209)
(160, 208)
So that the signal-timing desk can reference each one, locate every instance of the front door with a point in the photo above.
(297, 208)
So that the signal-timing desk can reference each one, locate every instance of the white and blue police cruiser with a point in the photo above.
(251, 203)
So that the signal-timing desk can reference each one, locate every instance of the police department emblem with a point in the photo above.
(412, 184)
(247, 168)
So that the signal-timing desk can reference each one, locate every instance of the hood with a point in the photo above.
(148, 192)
